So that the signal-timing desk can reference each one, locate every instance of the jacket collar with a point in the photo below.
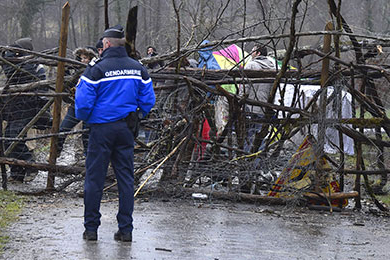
(119, 51)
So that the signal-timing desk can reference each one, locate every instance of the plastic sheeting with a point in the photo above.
(332, 136)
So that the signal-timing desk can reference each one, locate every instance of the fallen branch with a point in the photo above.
(163, 161)
(42, 166)
(332, 196)
(135, 173)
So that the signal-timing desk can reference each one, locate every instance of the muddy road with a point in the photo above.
(51, 228)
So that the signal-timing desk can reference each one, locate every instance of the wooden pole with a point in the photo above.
(336, 39)
(324, 79)
(322, 106)
(3, 170)
(359, 157)
(106, 22)
(59, 89)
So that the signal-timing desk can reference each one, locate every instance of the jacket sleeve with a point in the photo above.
(86, 93)
(251, 66)
(40, 72)
(146, 97)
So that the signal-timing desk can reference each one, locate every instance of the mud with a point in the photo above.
(51, 228)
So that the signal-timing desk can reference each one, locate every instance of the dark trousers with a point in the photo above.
(20, 151)
(252, 129)
(67, 125)
(109, 142)
(18, 112)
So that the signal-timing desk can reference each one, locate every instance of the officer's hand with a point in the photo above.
(72, 91)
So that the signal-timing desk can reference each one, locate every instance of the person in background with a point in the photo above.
(99, 46)
(207, 61)
(151, 51)
(84, 55)
(18, 111)
(193, 63)
(258, 92)
(110, 92)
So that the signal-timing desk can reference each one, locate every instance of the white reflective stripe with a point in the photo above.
(113, 78)
(40, 66)
(146, 81)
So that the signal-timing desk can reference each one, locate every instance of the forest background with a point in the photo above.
(199, 19)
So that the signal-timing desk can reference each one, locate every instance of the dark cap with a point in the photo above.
(99, 44)
(114, 32)
(24, 43)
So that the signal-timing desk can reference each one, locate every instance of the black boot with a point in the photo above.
(17, 174)
(124, 237)
(31, 173)
(90, 235)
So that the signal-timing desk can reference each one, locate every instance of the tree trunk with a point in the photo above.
(96, 13)
(43, 28)
(28, 10)
(369, 18)
(118, 11)
(146, 28)
(157, 22)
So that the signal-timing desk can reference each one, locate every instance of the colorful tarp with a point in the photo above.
(226, 58)
(230, 57)
(300, 172)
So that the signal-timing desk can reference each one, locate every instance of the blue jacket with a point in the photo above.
(206, 58)
(113, 87)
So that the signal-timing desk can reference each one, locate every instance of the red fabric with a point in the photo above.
(206, 136)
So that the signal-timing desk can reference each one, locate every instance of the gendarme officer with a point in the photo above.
(108, 91)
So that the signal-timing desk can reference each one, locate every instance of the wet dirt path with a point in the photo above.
(52, 229)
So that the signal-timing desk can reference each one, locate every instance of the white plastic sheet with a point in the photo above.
(332, 136)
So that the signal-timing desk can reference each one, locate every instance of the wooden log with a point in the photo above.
(36, 137)
(221, 73)
(34, 94)
(43, 166)
(32, 86)
(268, 105)
(363, 122)
(361, 137)
(367, 172)
(250, 75)
(324, 208)
(40, 54)
(332, 196)
(239, 196)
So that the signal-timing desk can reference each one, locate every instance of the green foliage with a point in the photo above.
(368, 114)
(385, 199)
(10, 207)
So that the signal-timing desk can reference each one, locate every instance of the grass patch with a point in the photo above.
(10, 207)
(385, 199)
(368, 114)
